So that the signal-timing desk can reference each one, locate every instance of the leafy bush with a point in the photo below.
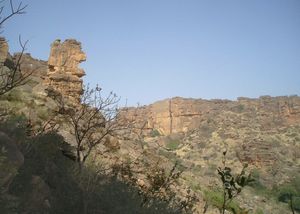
(42, 113)
(14, 95)
(290, 193)
(259, 211)
(215, 198)
(155, 133)
(238, 109)
(15, 127)
(172, 144)
(256, 184)
(169, 155)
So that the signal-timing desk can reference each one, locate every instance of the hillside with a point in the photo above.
(263, 132)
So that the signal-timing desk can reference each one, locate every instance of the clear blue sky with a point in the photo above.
(147, 50)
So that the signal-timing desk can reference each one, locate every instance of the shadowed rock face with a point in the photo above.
(63, 74)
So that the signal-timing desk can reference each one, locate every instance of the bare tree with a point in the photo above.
(93, 121)
(20, 9)
(156, 182)
(11, 77)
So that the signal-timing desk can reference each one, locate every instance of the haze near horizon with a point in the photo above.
(151, 50)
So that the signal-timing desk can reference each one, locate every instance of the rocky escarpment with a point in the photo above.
(63, 74)
(183, 115)
(260, 132)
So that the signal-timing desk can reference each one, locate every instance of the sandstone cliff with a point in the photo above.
(182, 115)
(262, 132)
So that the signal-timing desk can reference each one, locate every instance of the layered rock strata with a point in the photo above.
(183, 115)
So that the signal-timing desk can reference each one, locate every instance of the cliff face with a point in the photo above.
(182, 115)
(63, 74)
(263, 133)
(257, 131)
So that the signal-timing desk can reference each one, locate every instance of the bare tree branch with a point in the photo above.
(20, 9)
(12, 78)
(95, 120)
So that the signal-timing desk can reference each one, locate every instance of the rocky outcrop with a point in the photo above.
(3, 50)
(63, 74)
(6, 63)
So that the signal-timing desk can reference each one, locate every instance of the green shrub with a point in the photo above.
(154, 133)
(169, 155)
(259, 211)
(43, 113)
(14, 95)
(215, 198)
(285, 192)
(238, 108)
(259, 187)
(172, 144)
(289, 191)
(15, 127)
(142, 143)
(296, 203)
(255, 174)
